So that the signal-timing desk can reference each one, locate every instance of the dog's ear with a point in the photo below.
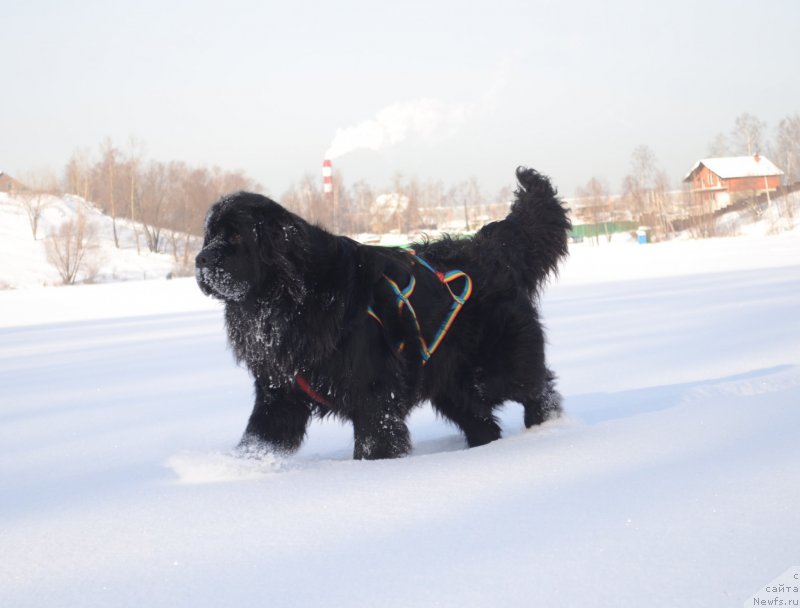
(283, 251)
(281, 239)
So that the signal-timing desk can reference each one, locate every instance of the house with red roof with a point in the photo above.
(717, 182)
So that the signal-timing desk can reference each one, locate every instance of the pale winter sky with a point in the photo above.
(443, 90)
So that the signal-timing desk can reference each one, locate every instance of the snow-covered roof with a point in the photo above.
(737, 166)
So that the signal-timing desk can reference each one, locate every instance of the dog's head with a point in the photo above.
(252, 248)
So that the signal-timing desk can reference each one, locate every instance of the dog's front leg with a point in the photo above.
(380, 433)
(279, 420)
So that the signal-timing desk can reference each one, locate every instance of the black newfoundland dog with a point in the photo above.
(329, 326)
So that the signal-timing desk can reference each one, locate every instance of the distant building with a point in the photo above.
(716, 182)
(9, 184)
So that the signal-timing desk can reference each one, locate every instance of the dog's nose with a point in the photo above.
(203, 259)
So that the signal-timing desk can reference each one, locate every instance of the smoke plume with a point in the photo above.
(423, 119)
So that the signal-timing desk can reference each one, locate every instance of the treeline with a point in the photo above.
(406, 205)
(167, 201)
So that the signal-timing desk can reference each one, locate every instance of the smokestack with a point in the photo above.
(327, 190)
(327, 178)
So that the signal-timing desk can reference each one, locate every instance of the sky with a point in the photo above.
(437, 90)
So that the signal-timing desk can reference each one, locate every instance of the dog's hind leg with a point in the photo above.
(544, 403)
(279, 420)
(474, 418)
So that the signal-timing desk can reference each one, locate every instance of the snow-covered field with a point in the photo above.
(673, 480)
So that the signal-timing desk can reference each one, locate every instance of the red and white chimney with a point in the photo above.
(327, 178)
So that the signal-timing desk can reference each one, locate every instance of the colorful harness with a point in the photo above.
(403, 295)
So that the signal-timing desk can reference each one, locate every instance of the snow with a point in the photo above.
(671, 481)
(23, 260)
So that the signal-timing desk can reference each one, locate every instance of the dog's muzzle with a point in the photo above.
(214, 280)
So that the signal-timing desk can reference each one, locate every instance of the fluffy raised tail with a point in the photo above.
(534, 234)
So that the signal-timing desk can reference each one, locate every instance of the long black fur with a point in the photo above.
(296, 300)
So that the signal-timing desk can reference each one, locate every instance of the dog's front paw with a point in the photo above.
(385, 438)
(254, 447)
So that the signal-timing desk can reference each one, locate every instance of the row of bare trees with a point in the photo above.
(407, 205)
(165, 202)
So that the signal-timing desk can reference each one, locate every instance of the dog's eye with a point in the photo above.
(235, 238)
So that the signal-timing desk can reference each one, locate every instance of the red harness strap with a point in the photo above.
(304, 386)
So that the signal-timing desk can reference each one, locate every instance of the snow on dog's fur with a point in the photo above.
(318, 321)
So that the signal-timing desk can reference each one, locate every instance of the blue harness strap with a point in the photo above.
(403, 295)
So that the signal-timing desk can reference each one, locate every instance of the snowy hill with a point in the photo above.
(23, 260)
(671, 481)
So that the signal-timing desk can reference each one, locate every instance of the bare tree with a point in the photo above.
(411, 190)
(787, 147)
(595, 206)
(190, 196)
(747, 134)
(662, 203)
(719, 146)
(225, 182)
(106, 179)
(340, 205)
(701, 221)
(78, 175)
(432, 205)
(293, 200)
(361, 199)
(155, 191)
(467, 195)
(34, 203)
(504, 196)
(638, 184)
(68, 247)
(306, 199)
(646, 192)
(35, 197)
(132, 168)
